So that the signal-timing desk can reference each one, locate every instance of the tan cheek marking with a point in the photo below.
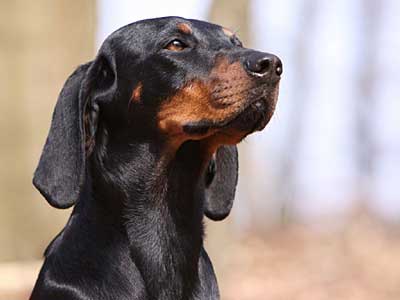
(229, 137)
(227, 32)
(137, 93)
(185, 28)
(190, 103)
(194, 102)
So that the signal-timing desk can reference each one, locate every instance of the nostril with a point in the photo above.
(278, 68)
(263, 65)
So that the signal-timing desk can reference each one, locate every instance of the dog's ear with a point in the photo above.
(60, 174)
(221, 179)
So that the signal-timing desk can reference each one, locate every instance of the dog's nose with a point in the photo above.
(261, 64)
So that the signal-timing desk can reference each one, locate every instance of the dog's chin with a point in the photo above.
(254, 117)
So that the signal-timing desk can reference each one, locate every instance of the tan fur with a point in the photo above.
(137, 93)
(216, 99)
(227, 32)
(185, 28)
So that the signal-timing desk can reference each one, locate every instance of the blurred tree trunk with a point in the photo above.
(41, 43)
(234, 15)
(365, 103)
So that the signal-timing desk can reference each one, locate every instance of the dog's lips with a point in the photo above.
(253, 115)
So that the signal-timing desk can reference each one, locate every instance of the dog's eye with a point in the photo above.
(176, 45)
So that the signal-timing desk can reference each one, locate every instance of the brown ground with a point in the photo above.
(361, 261)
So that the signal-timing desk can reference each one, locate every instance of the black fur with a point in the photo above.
(136, 229)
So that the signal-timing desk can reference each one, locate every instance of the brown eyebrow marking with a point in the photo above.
(185, 28)
(228, 32)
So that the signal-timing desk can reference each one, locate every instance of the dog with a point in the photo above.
(143, 143)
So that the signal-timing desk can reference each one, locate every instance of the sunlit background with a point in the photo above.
(317, 212)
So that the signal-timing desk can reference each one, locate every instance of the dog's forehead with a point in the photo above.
(150, 29)
(158, 24)
(135, 42)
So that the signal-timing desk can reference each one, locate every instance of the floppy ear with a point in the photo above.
(60, 174)
(221, 179)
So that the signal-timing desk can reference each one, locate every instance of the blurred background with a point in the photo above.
(317, 212)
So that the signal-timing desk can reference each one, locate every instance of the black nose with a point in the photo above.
(262, 64)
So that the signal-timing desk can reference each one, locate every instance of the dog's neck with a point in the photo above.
(161, 199)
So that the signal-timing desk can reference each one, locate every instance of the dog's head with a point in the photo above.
(169, 79)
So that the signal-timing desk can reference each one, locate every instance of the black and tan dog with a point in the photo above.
(142, 141)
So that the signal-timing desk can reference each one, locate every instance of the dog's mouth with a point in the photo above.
(253, 115)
